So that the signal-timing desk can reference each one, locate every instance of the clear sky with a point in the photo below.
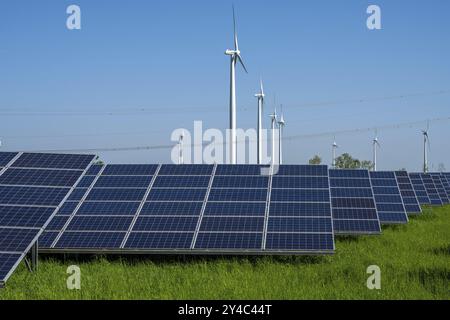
(139, 69)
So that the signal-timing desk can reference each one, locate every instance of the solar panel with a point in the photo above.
(197, 209)
(408, 194)
(446, 182)
(32, 187)
(353, 202)
(430, 187)
(419, 188)
(440, 187)
(389, 202)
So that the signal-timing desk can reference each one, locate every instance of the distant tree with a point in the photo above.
(316, 160)
(441, 167)
(346, 161)
(402, 169)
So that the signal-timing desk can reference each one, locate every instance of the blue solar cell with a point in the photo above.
(299, 209)
(382, 175)
(301, 170)
(39, 177)
(77, 194)
(166, 224)
(232, 224)
(299, 242)
(57, 223)
(390, 207)
(319, 225)
(130, 170)
(352, 203)
(123, 182)
(351, 193)
(177, 195)
(350, 183)
(240, 182)
(171, 209)
(53, 161)
(235, 209)
(110, 194)
(5, 158)
(348, 173)
(386, 190)
(31, 217)
(16, 240)
(86, 182)
(392, 217)
(356, 226)
(299, 182)
(90, 240)
(301, 195)
(68, 208)
(186, 170)
(384, 182)
(94, 170)
(46, 239)
(242, 170)
(388, 199)
(109, 208)
(102, 223)
(32, 195)
(413, 208)
(159, 240)
(7, 262)
(182, 182)
(230, 241)
(237, 195)
(355, 214)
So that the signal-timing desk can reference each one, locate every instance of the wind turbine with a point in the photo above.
(426, 146)
(281, 125)
(235, 56)
(334, 147)
(260, 97)
(376, 145)
(273, 117)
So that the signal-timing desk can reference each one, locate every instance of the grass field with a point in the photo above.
(414, 261)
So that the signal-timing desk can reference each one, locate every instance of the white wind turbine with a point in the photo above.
(333, 151)
(273, 117)
(260, 97)
(235, 55)
(376, 145)
(426, 146)
(281, 125)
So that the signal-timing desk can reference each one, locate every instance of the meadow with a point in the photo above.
(414, 261)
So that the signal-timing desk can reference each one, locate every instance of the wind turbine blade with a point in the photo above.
(262, 87)
(242, 63)
(236, 45)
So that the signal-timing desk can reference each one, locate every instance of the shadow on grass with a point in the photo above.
(347, 239)
(444, 251)
(434, 280)
(183, 259)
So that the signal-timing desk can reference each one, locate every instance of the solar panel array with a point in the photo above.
(445, 177)
(353, 202)
(32, 187)
(410, 200)
(419, 188)
(436, 177)
(196, 208)
(388, 199)
(431, 189)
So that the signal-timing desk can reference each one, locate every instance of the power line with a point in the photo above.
(287, 138)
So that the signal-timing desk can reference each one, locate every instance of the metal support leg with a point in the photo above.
(31, 260)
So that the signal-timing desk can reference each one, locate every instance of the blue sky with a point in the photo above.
(139, 69)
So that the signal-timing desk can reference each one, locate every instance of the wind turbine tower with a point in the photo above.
(334, 147)
(260, 97)
(273, 117)
(180, 146)
(376, 145)
(235, 56)
(426, 145)
(281, 125)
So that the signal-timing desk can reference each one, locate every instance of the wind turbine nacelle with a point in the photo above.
(230, 52)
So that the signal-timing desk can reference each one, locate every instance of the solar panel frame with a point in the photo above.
(32, 235)
(389, 202)
(354, 213)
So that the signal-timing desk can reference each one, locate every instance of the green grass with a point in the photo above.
(414, 261)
